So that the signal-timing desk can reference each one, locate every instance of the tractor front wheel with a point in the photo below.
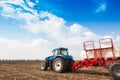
(114, 69)
(59, 65)
(44, 65)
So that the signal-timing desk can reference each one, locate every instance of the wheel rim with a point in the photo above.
(42, 66)
(117, 70)
(58, 65)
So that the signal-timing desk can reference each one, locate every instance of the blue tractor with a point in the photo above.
(60, 61)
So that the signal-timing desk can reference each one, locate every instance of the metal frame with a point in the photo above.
(98, 59)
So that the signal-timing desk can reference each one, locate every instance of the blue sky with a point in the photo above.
(91, 13)
(83, 10)
(34, 26)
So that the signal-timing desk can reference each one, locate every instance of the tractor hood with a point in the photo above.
(50, 58)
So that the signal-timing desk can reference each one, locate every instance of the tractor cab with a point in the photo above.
(60, 52)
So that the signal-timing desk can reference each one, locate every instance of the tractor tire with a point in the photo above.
(50, 65)
(114, 69)
(70, 63)
(44, 66)
(59, 65)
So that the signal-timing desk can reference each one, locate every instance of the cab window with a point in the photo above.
(64, 52)
(55, 52)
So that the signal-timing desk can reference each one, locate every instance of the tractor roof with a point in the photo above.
(60, 48)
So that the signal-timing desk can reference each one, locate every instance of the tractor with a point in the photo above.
(102, 56)
(60, 61)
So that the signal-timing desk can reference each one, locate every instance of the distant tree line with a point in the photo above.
(18, 61)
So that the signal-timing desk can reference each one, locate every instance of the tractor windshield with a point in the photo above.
(64, 52)
(60, 51)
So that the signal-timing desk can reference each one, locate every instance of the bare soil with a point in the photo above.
(30, 70)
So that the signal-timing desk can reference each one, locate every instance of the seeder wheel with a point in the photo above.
(114, 69)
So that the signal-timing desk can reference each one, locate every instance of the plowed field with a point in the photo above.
(30, 70)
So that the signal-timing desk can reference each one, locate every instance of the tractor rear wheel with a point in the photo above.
(114, 69)
(44, 65)
(70, 63)
(59, 65)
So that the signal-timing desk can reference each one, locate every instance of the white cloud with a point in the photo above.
(9, 11)
(31, 4)
(101, 8)
(118, 38)
(77, 29)
(48, 26)
(58, 34)
(15, 49)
